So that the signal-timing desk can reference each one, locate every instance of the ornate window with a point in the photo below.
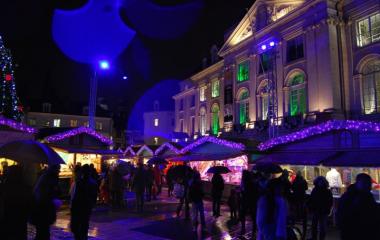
(243, 106)
(263, 100)
(297, 93)
(371, 87)
(202, 93)
(202, 120)
(294, 49)
(243, 71)
(265, 62)
(368, 30)
(215, 88)
(215, 119)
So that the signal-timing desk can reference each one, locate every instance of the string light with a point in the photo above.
(169, 146)
(237, 146)
(363, 126)
(16, 125)
(77, 131)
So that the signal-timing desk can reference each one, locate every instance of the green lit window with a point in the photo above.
(243, 71)
(244, 107)
(215, 86)
(368, 30)
(215, 119)
(297, 96)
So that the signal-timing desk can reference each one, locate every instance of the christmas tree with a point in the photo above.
(10, 106)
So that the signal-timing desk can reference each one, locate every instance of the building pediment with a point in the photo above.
(259, 16)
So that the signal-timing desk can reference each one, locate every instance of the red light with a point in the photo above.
(8, 77)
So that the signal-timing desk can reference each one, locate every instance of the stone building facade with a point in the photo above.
(288, 63)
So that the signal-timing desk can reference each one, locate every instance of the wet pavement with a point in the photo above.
(157, 222)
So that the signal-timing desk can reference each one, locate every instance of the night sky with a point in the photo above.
(44, 73)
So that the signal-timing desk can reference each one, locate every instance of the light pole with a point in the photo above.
(102, 65)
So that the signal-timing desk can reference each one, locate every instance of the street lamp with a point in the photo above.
(102, 65)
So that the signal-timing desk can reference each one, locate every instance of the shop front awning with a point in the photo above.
(205, 157)
(89, 151)
(298, 158)
(362, 158)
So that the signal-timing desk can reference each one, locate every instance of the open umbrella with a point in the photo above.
(181, 171)
(124, 168)
(218, 169)
(267, 168)
(157, 160)
(30, 151)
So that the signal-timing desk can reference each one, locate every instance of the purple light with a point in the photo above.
(237, 146)
(129, 149)
(271, 44)
(125, 77)
(263, 47)
(362, 126)
(145, 147)
(103, 64)
(76, 131)
(16, 125)
(169, 146)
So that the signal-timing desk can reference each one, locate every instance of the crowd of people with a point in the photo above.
(274, 203)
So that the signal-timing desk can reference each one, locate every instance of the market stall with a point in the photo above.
(78, 146)
(10, 131)
(211, 151)
(337, 149)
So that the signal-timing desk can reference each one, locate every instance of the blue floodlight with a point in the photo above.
(104, 65)
(263, 47)
(271, 44)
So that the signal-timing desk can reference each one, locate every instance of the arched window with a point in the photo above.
(215, 119)
(243, 106)
(297, 93)
(371, 87)
(263, 100)
(202, 121)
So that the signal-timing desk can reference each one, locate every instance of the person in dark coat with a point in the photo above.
(116, 185)
(16, 199)
(170, 180)
(138, 186)
(217, 182)
(286, 185)
(250, 193)
(298, 199)
(46, 199)
(358, 213)
(196, 198)
(82, 202)
(149, 182)
(320, 204)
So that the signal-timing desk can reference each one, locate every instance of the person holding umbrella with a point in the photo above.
(46, 193)
(217, 182)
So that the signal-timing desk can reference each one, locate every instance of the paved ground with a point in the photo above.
(158, 222)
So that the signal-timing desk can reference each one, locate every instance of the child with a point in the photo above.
(233, 203)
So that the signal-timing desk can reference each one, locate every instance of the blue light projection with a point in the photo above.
(91, 33)
(104, 64)
(162, 22)
(161, 92)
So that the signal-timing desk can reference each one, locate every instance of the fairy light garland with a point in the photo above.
(76, 131)
(237, 146)
(363, 126)
(169, 146)
(16, 125)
